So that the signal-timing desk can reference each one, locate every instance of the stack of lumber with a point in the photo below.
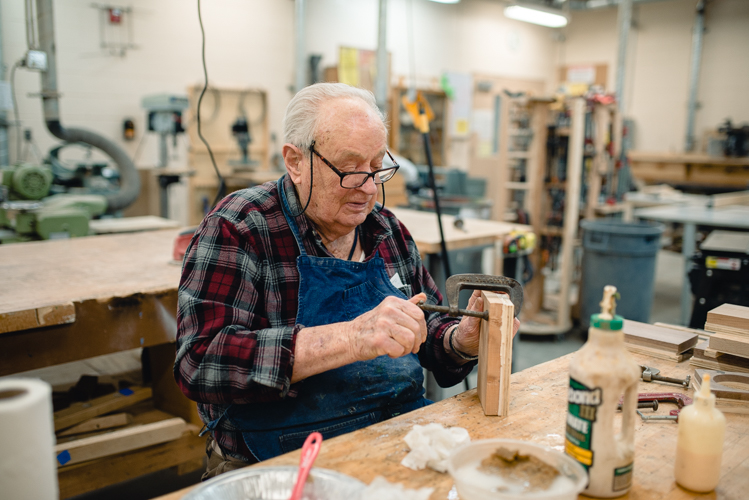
(662, 342)
(100, 427)
(728, 347)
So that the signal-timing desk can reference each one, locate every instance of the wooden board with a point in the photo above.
(80, 412)
(495, 354)
(730, 344)
(120, 441)
(659, 354)
(132, 224)
(81, 478)
(725, 385)
(725, 362)
(98, 424)
(656, 337)
(728, 317)
(59, 314)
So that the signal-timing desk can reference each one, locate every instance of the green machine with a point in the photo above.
(28, 212)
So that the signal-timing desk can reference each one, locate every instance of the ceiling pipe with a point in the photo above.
(129, 176)
(301, 51)
(381, 81)
(694, 73)
(4, 155)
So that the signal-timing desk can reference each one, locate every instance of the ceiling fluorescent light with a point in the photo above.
(446, 1)
(536, 15)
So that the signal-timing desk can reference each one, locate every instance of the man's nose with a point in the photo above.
(369, 187)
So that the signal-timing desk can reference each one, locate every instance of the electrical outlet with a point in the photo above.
(36, 59)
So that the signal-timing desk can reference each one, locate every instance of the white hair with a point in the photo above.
(302, 113)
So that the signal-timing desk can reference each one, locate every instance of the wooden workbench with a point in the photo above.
(474, 233)
(697, 169)
(537, 413)
(68, 300)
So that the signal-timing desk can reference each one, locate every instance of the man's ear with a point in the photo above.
(294, 160)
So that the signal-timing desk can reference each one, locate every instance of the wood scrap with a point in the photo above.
(728, 318)
(701, 334)
(495, 354)
(98, 424)
(80, 412)
(119, 441)
(725, 385)
(656, 337)
(730, 344)
(724, 362)
(659, 354)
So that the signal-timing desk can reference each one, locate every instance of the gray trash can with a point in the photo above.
(621, 254)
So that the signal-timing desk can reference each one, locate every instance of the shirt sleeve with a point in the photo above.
(226, 350)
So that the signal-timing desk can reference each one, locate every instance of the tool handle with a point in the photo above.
(309, 453)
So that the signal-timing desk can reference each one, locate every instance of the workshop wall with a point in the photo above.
(657, 83)
(471, 36)
(100, 90)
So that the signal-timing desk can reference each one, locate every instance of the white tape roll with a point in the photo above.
(28, 470)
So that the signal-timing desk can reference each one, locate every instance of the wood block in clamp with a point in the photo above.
(495, 354)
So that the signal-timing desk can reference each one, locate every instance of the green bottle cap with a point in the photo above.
(615, 323)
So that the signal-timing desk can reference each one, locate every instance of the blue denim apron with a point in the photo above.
(345, 399)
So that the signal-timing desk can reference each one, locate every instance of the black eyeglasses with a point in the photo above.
(353, 180)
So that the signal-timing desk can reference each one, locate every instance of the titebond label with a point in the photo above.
(583, 403)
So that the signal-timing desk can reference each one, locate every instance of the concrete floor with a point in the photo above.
(530, 350)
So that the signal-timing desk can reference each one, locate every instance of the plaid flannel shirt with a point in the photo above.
(238, 299)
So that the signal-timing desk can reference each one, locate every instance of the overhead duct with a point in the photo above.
(129, 177)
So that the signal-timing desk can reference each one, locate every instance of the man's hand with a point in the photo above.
(396, 327)
(467, 334)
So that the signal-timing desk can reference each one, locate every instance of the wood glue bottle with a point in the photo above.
(600, 372)
(699, 447)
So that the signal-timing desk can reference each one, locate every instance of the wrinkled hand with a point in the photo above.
(396, 327)
(467, 335)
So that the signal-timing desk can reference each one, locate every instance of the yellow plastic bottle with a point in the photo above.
(600, 372)
(699, 446)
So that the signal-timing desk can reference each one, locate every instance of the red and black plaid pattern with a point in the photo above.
(238, 302)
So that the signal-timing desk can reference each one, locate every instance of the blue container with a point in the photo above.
(621, 254)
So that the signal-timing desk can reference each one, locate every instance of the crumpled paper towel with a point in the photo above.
(431, 444)
(380, 488)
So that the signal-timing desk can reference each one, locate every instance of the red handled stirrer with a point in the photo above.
(309, 453)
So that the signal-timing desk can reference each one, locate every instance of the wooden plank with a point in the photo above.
(80, 412)
(88, 476)
(731, 316)
(132, 224)
(659, 354)
(729, 344)
(655, 337)
(59, 314)
(725, 362)
(726, 199)
(495, 354)
(98, 424)
(571, 210)
(120, 441)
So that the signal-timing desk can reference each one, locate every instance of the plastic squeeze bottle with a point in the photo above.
(600, 372)
(699, 446)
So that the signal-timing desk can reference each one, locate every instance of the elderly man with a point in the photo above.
(297, 304)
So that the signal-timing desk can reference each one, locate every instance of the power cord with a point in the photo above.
(221, 185)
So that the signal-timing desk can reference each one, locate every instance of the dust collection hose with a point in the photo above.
(129, 177)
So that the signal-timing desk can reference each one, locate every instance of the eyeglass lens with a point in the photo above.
(356, 179)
